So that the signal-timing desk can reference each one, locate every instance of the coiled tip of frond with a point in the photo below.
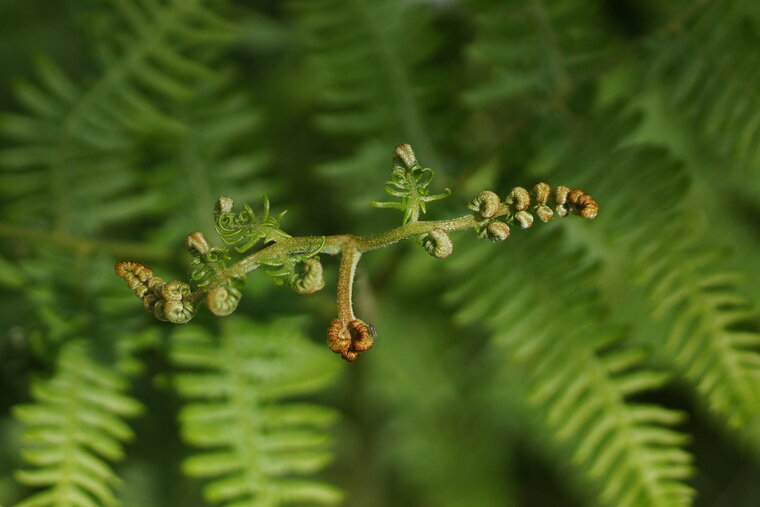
(222, 301)
(350, 339)
(224, 204)
(497, 231)
(582, 204)
(518, 198)
(174, 305)
(438, 243)
(197, 243)
(404, 155)
(311, 279)
(169, 302)
(486, 203)
(566, 201)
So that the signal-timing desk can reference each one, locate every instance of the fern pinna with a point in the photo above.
(84, 139)
(256, 440)
(548, 321)
(74, 429)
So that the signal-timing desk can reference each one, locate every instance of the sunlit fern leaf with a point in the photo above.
(371, 86)
(549, 321)
(709, 67)
(713, 330)
(74, 428)
(257, 444)
(75, 145)
(536, 50)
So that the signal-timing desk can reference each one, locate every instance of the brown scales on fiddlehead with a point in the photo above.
(293, 260)
(168, 301)
(349, 339)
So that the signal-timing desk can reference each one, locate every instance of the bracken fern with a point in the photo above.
(257, 441)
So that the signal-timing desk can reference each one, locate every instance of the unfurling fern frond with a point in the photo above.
(73, 429)
(167, 301)
(244, 229)
(256, 444)
(549, 322)
(409, 181)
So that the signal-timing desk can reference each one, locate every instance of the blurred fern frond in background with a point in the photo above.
(615, 363)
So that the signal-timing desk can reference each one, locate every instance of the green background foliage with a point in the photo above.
(612, 362)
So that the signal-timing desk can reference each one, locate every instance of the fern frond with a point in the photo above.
(714, 335)
(535, 51)
(709, 68)
(372, 88)
(74, 429)
(213, 157)
(256, 444)
(549, 321)
(712, 329)
(75, 143)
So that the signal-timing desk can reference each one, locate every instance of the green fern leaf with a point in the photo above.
(548, 321)
(73, 429)
(712, 328)
(372, 89)
(76, 144)
(535, 51)
(708, 67)
(257, 446)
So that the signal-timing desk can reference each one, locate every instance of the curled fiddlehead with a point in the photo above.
(310, 279)
(486, 203)
(350, 339)
(222, 301)
(302, 272)
(168, 301)
(437, 243)
(517, 209)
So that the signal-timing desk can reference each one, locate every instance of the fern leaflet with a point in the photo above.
(549, 322)
(74, 428)
(256, 444)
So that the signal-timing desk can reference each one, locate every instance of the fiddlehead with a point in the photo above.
(168, 301)
(295, 262)
(222, 301)
(437, 243)
(517, 208)
(409, 181)
(349, 339)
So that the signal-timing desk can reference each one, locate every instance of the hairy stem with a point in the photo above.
(342, 244)
(348, 262)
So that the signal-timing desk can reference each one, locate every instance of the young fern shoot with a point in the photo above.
(295, 260)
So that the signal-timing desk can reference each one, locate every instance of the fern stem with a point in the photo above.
(340, 244)
(346, 272)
